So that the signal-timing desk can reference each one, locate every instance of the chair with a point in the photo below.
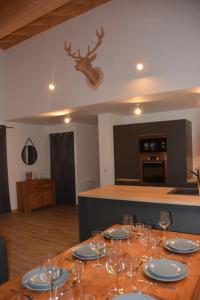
(3, 261)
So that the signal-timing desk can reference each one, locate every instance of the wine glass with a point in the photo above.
(50, 272)
(115, 264)
(78, 270)
(98, 245)
(139, 229)
(132, 266)
(145, 240)
(128, 226)
(155, 244)
(164, 221)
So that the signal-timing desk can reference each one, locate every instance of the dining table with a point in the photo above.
(97, 281)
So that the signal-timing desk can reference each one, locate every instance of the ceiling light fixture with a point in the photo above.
(52, 87)
(67, 119)
(137, 110)
(140, 66)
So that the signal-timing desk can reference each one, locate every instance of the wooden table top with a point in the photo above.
(141, 194)
(98, 281)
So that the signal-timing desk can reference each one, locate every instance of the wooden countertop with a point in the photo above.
(141, 194)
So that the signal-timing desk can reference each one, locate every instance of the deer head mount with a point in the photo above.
(94, 75)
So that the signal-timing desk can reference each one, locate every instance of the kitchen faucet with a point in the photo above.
(196, 172)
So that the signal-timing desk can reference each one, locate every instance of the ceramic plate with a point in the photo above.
(118, 233)
(166, 268)
(85, 252)
(182, 244)
(33, 280)
(148, 272)
(133, 296)
(168, 247)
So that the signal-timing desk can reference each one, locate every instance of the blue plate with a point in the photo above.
(167, 268)
(117, 233)
(182, 244)
(168, 247)
(85, 252)
(32, 280)
(148, 272)
(133, 296)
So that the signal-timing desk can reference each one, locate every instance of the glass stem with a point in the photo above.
(117, 285)
(164, 233)
(98, 261)
(52, 296)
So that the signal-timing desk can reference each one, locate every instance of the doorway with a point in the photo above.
(63, 167)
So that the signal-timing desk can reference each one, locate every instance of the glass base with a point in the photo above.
(115, 291)
(98, 266)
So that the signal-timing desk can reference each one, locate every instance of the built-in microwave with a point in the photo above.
(153, 144)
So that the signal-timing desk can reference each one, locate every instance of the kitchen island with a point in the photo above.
(103, 207)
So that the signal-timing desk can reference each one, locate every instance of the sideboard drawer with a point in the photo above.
(32, 194)
(36, 200)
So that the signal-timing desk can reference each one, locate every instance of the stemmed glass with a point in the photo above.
(98, 245)
(115, 264)
(128, 226)
(50, 272)
(132, 266)
(145, 239)
(78, 270)
(164, 221)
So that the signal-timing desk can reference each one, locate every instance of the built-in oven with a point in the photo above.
(153, 159)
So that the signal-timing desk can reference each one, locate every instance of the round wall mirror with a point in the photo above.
(29, 153)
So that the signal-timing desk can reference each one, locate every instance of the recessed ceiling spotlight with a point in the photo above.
(140, 66)
(137, 110)
(52, 87)
(67, 119)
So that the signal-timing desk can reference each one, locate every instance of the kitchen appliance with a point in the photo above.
(153, 159)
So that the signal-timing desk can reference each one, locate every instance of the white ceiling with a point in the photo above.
(184, 99)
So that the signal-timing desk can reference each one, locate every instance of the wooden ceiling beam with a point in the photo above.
(15, 14)
(26, 10)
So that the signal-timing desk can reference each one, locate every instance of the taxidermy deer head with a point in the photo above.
(93, 75)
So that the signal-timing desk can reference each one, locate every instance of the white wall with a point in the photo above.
(16, 139)
(106, 147)
(162, 34)
(106, 152)
(87, 156)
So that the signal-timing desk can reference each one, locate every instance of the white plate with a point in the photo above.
(32, 280)
(167, 246)
(182, 244)
(133, 296)
(166, 268)
(85, 252)
(161, 278)
(117, 233)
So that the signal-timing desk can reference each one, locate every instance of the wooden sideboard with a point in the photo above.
(32, 194)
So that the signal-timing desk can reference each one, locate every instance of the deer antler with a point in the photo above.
(99, 42)
(70, 53)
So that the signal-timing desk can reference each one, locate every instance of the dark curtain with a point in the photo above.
(62, 167)
(4, 189)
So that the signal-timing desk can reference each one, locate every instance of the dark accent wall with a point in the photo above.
(179, 149)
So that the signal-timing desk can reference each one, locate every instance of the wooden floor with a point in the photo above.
(32, 236)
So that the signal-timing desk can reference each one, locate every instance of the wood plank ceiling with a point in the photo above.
(22, 19)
